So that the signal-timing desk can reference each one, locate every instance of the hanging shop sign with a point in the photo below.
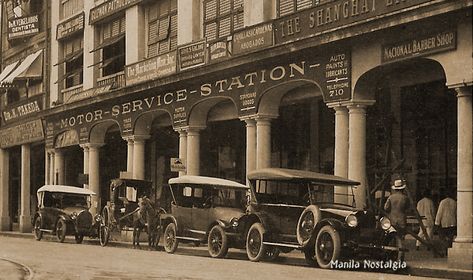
(66, 139)
(219, 50)
(420, 46)
(27, 132)
(70, 27)
(85, 94)
(152, 68)
(22, 109)
(108, 8)
(254, 38)
(23, 27)
(337, 82)
(334, 14)
(177, 164)
(192, 55)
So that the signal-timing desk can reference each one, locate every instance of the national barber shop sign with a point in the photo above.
(330, 74)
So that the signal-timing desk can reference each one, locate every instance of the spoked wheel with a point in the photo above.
(79, 238)
(255, 249)
(272, 253)
(327, 246)
(170, 240)
(61, 229)
(396, 241)
(309, 255)
(217, 242)
(38, 234)
(306, 225)
(104, 235)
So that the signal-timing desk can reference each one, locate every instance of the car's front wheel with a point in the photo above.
(217, 242)
(327, 246)
(61, 229)
(79, 238)
(255, 249)
(170, 239)
(38, 234)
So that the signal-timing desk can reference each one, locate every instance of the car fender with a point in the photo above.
(37, 214)
(166, 219)
(252, 218)
(336, 224)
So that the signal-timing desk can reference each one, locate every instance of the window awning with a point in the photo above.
(70, 57)
(7, 70)
(108, 42)
(30, 68)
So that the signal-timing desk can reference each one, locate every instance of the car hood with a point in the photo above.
(337, 209)
(228, 213)
(69, 210)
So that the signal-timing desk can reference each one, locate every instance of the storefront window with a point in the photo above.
(222, 17)
(162, 27)
(70, 7)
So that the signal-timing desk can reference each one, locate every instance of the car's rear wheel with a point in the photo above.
(170, 239)
(104, 235)
(61, 229)
(309, 254)
(38, 234)
(327, 246)
(217, 242)
(255, 249)
(79, 238)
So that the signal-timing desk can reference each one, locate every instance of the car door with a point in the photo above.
(181, 209)
(200, 212)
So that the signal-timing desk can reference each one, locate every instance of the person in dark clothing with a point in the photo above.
(397, 206)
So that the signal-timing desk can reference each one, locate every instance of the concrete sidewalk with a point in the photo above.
(420, 263)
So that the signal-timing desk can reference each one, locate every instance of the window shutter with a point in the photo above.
(238, 21)
(211, 31)
(225, 7)
(115, 28)
(237, 4)
(210, 9)
(286, 7)
(225, 26)
(163, 28)
(152, 50)
(173, 24)
(163, 47)
(153, 32)
(303, 4)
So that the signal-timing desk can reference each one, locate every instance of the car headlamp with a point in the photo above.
(234, 222)
(385, 223)
(74, 215)
(351, 220)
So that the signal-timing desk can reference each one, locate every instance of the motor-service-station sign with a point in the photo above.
(329, 73)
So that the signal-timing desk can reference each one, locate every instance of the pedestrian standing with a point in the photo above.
(426, 209)
(446, 218)
(397, 206)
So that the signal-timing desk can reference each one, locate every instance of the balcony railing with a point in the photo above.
(116, 80)
(69, 92)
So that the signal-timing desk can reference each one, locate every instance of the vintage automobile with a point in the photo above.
(64, 210)
(205, 210)
(295, 209)
(117, 214)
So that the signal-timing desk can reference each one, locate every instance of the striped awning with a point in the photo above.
(31, 67)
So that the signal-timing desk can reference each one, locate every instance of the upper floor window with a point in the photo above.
(286, 7)
(112, 44)
(70, 8)
(162, 27)
(222, 17)
(73, 60)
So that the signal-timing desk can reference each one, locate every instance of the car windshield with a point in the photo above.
(298, 193)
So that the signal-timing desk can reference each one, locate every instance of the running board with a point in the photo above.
(189, 238)
(294, 246)
(46, 230)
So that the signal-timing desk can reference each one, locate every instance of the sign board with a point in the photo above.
(88, 93)
(23, 27)
(126, 175)
(25, 108)
(219, 50)
(192, 55)
(337, 72)
(254, 38)
(152, 68)
(108, 8)
(177, 164)
(21, 134)
(334, 14)
(70, 27)
(420, 45)
(66, 139)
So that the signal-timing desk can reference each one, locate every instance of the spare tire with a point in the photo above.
(306, 224)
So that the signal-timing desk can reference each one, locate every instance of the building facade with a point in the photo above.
(363, 89)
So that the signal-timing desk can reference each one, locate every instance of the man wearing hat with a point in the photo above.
(397, 205)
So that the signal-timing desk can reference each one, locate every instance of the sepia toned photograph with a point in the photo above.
(236, 139)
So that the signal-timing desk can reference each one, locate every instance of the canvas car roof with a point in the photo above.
(203, 180)
(65, 189)
(294, 175)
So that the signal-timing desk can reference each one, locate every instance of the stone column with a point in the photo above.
(46, 167)
(90, 74)
(461, 253)
(183, 148)
(139, 142)
(129, 158)
(263, 142)
(25, 212)
(59, 167)
(193, 151)
(357, 149)
(86, 162)
(52, 170)
(250, 145)
(341, 150)
(5, 220)
(94, 176)
(135, 34)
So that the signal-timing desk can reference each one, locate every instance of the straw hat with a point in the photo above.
(399, 185)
